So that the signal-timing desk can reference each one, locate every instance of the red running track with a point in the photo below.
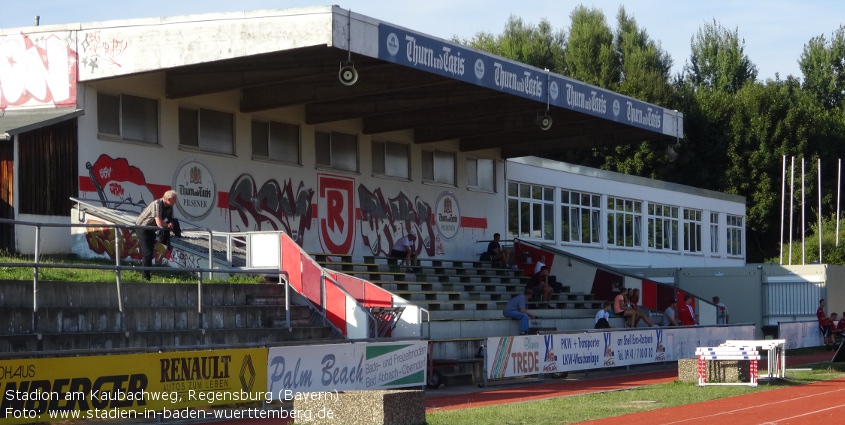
(816, 403)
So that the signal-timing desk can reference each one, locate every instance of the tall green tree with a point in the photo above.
(823, 65)
(537, 45)
(589, 55)
(718, 60)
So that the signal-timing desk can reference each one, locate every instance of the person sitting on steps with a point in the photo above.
(497, 254)
(403, 249)
(515, 309)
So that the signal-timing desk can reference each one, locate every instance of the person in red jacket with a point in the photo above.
(686, 313)
(824, 325)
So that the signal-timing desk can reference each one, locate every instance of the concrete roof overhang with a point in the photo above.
(410, 81)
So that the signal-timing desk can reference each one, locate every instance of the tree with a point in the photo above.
(823, 65)
(718, 60)
(589, 55)
(539, 46)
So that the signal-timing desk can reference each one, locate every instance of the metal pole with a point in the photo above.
(819, 169)
(117, 280)
(803, 216)
(210, 253)
(35, 279)
(791, 202)
(782, 205)
(838, 187)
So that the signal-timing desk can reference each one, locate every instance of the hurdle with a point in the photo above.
(727, 353)
(776, 354)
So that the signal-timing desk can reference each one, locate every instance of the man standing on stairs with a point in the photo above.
(157, 213)
(515, 309)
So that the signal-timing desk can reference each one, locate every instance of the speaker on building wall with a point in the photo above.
(544, 122)
(347, 75)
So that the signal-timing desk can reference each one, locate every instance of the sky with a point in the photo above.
(775, 31)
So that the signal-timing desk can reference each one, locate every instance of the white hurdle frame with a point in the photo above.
(726, 353)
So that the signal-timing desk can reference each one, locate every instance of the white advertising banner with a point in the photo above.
(346, 367)
(512, 356)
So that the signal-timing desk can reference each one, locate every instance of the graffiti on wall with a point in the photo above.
(101, 242)
(119, 185)
(272, 207)
(37, 71)
(385, 220)
(99, 50)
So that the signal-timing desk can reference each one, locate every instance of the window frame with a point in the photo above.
(332, 150)
(714, 233)
(268, 131)
(570, 209)
(529, 201)
(663, 227)
(734, 235)
(122, 121)
(430, 176)
(693, 230)
(491, 187)
(622, 221)
(208, 145)
(382, 146)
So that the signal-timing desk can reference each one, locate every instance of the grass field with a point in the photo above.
(567, 410)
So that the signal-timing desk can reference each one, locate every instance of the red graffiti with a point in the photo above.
(40, 72)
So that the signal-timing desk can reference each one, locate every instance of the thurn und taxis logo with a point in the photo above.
(196, 175)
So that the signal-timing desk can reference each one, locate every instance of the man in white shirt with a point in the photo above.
(404, 249)
(602, 316)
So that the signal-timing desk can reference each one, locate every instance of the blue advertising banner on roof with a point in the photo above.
(451, 60)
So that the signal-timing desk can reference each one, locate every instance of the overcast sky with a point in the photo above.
(774, 31)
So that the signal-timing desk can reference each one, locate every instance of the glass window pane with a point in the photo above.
(108, 114)
(513, 189)
(140, 119)
(217, 131)
(378, 157)
(260, 134)
(284, 142)
(188, 127)
(524, 219)
(548, 222)
(428, 165)
(513, 218)
(344, 151)
(486, 174)
(472, 172)
(397, 160)
(323, 146)
(444, 167)
(548, 194)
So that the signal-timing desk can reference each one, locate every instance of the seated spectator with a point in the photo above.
(603, 315)
(497, 254)
(824, 325)
(403, 249)
(670, 314)
(622, 308)
(539, 285)
(686, 312)
(635, 304)
(833, 323)
(541, 262)
(515, 309)
(840, 327)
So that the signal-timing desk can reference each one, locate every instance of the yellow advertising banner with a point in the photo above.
(130, 386)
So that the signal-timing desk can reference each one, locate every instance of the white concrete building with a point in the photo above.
(342, 130)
